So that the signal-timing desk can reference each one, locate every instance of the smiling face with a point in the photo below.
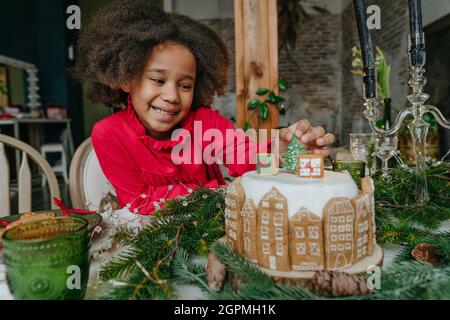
(162, 94)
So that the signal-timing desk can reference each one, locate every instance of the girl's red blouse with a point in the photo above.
(141, 169)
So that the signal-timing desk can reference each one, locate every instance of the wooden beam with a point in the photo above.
(256, 33)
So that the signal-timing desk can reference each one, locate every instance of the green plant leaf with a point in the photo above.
(247, 126)
(264, 110)
(253, 104)
(271, 97)
(282, 85)
(279, 99)
(262, 91)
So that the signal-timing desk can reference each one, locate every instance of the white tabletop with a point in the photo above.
(96, 289)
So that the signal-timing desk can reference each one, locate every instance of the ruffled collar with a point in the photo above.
(187, 123)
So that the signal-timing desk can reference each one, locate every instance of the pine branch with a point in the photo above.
(399, 219)
(187, 272)
(123, 264)
(256, 285)
(240, 266)
(187, 224)
(124, 236)
(391, 231)
(414, 280)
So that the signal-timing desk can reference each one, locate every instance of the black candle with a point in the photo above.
(415, 16)
(417, 45)
(367, 53)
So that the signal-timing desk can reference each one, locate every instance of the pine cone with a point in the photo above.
(331, 283)
(427, 253)
(215, 272)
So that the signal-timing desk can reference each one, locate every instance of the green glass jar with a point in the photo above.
(48, 259)
(356, 168)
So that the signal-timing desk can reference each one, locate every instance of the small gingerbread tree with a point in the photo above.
(294, 149)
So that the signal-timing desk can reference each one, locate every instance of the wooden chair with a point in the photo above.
(24, 176)
(87, 183)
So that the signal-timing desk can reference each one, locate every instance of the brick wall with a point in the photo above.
(322, 88)
(227, 103)
(315, 91)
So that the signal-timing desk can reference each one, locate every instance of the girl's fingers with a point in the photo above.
(322, 151)
(286, 134)
(313, 134)
(300, 128)
(326, 140)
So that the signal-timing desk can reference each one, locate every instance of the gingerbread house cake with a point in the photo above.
(288, 224)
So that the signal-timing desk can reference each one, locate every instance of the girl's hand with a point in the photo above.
(314, 138)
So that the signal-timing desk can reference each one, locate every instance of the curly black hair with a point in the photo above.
(113, 47)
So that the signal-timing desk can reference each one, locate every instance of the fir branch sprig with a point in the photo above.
(239, 265)
(146, 270)
(187, 272)
(399, 218)
(394, 232)
(402, 280)
(413, 280)
(255, 284)
(123, 235)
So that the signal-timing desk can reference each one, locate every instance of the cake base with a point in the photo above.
(304, 278)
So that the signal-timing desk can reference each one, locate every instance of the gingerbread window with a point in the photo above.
(314, 249)
(280, 250)
(301, 249)
(246, 225)
(278, 220)
(279, 206)
(264, 233)
(266, 248)
(265, 217)
(247, 244)
(278, 234)
(299, 233)
(313, 232)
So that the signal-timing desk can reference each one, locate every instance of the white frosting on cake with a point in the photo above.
(313, 194)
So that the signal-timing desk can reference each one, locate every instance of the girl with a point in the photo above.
(166, 68)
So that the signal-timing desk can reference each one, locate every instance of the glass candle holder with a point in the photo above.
(356, 168)
(359, 143)
(48, 259)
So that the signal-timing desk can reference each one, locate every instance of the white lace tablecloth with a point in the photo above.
(102, 252)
